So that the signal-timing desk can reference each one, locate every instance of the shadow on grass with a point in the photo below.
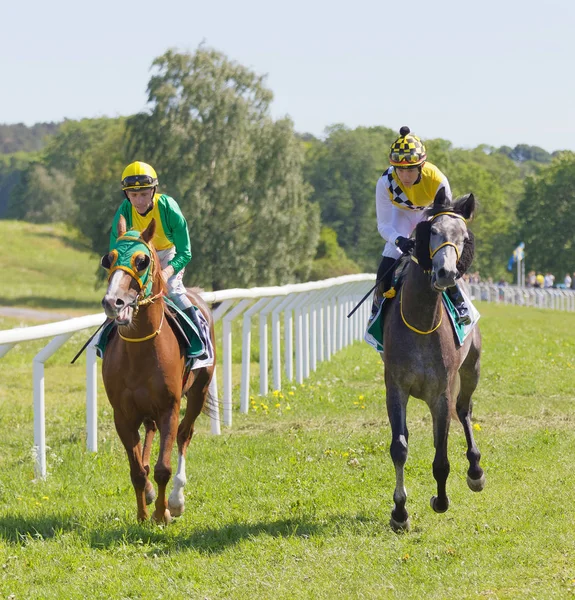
(206, 540)
(16, 530)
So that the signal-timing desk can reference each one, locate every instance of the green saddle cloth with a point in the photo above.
(196, 345)
(374, 331)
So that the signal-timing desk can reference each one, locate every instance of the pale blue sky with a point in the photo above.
(494, 72)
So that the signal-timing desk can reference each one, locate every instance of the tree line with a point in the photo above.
(266, 205)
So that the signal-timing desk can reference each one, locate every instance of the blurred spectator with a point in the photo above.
(567, 281)
(548, 280)
(531, 279)
(539, 280)
(573, 281)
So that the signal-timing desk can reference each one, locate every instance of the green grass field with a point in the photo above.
(294, 500)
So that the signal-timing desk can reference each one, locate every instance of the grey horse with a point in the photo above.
(421, 355)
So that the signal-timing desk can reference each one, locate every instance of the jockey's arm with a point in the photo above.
(179, 234)
(384, 210)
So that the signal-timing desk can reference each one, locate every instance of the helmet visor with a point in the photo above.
(138, 182)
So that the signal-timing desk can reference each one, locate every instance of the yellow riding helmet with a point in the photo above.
(407, 150)
(139, 176)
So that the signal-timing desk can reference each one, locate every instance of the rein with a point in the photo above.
(148, 337)
(411, 326)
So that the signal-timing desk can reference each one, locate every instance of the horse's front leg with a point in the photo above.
(128, 433)
(196, 397)
(441, 420)
(396, 411)
(168, 424)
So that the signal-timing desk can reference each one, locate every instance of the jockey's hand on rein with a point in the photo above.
(406, 245)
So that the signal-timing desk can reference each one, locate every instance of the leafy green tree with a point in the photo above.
(42, 196)
(235, 172)
(343, 172)
(331, 259)
(546, 212)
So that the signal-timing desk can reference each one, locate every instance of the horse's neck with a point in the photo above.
(421, 305)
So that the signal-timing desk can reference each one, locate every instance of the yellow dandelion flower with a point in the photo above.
(477, 427)
(363, 406)
(278, 405)
(345, 454)
(45, 498)
(291, 393)
(405, 557)
(356, 403)
(275, 393)
(361, 397)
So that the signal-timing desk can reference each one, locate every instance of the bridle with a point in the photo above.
(432, 253)
(144, 282)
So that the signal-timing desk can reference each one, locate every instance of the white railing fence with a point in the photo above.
(552, 298)
(315, 327)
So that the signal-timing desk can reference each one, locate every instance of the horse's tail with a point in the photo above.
(211, 406)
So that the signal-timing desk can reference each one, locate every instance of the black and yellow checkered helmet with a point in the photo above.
(407, 150)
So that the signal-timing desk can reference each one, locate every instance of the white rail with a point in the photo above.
(552, 298)
(321, 327)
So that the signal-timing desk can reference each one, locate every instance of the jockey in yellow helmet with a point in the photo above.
(171, 240)
(404, 190)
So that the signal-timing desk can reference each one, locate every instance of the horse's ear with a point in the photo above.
(149, 232)
(465, 206)
(121, 227)
(440, 198)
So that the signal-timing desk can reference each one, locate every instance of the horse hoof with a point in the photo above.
(399, 527)
(437, 507)
(176, 511)
(164, 518)
(476, 485)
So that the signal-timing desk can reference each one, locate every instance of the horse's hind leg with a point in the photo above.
(128, 433)
(469, 377)
(441, 420)
(151, 428)
(196, 397)
(396, 410)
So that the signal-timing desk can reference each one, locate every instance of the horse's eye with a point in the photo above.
(433, 231)
(142, 262)
(106, 261)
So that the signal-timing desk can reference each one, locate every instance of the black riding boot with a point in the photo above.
(385, 280)
(463, 316)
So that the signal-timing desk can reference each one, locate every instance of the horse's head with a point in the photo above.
(131, 266)
(444, 245)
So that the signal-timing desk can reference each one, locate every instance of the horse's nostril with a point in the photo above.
(441, 272)
(119, 302)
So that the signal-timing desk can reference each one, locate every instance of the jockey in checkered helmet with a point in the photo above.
(406, 188)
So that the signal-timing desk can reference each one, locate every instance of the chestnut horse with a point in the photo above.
(421, 355)
(143, 368)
